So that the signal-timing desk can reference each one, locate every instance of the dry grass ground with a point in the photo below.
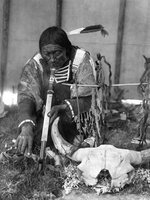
(21, 180)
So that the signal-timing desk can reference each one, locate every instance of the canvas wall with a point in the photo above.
(28, 18)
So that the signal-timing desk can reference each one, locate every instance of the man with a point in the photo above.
(72, 65)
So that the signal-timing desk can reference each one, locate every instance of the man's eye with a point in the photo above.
(45, 53)
(57, 53)
(48, 54)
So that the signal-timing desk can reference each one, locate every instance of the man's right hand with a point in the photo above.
(24, 141)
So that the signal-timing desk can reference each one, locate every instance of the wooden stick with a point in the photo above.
(113, 85)
(46, 120)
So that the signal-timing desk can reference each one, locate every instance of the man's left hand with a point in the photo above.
(55, 112)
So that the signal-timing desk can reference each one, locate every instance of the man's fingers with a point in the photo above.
(24, 145)
(20, 141)
(49, 114)
(53, 118)
(52, 112)
(30, 146)
(16, 143)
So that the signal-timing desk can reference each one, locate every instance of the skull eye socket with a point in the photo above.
(104, 175)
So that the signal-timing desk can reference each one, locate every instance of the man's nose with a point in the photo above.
(51, 58)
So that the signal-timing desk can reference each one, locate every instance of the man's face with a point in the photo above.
(54, 55)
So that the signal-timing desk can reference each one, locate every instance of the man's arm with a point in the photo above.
(29, 101)
(29, 93)
(27, 113)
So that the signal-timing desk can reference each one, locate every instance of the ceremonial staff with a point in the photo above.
(46, 118)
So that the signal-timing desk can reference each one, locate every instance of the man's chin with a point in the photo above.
(53, 65)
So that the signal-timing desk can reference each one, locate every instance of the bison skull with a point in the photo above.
(93, 161)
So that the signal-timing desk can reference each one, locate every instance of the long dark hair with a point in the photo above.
(55, 35)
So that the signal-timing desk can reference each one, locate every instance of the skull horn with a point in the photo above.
(76, 154)
(64, 147)
(145, 155)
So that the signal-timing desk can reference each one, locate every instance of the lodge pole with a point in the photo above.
(119, 47)
(4, 43)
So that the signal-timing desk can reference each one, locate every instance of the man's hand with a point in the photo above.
(55, 112)
(25, 140)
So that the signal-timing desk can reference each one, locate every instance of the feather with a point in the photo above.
(89, 29)
(76, 31)
(92, 28)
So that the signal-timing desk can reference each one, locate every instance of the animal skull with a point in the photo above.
(93, 161)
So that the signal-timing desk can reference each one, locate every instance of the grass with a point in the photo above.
(28, 183)
(21, 180)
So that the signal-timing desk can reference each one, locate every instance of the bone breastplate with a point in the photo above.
(63, 74)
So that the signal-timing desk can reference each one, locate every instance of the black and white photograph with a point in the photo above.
(74, 99)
